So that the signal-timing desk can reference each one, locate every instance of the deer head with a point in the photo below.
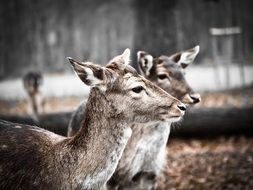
(32, 82)
(131, 95)
(168, 73)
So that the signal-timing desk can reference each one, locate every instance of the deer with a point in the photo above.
(144, 157)
(145, 153)
(32, 82)
(34, 158)
(168, 73)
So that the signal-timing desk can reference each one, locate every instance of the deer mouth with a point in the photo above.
(172, 118)
(173, 115)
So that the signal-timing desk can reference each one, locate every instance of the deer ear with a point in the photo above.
(91, 74)
(145, 62)
(126, 56)
(186, 57)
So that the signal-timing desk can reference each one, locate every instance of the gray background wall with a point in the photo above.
(38, 35)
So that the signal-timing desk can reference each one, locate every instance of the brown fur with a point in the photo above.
(127, 174)
(138, 162)
(33, 158)
(173, 69)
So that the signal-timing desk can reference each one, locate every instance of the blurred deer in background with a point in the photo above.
(34, 158)
(144, 156)
(32, 82)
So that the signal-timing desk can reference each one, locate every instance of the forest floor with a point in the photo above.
(209, 163)
(216, 164)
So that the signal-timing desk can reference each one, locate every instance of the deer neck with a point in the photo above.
(100, 141)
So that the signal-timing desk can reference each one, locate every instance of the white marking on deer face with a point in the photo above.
(18, 127)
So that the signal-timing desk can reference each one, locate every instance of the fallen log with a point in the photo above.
(203, 122)
(55, 122)
(200, 122)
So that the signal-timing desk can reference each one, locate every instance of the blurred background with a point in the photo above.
(37, 36)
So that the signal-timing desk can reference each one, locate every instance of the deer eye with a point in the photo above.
(137, 89)
(162, 76)
(159, 61)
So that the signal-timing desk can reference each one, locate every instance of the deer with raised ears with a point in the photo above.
(168, 73)
(32, 82)
(145, 154)
(34, 158)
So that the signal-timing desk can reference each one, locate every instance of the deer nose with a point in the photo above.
(196, 98)
(182, 107)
